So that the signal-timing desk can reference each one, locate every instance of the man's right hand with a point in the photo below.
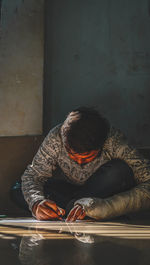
(47, 210)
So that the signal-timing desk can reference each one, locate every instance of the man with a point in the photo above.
(98, 174)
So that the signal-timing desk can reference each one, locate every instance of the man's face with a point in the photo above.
(83, 157)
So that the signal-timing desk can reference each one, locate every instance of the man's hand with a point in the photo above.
(47, 210)
(76, 213)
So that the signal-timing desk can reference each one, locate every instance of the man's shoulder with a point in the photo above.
(115, 133)
(54, 136)
(115, 137)
(55, 131)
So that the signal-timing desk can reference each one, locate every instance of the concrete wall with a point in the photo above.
(98, 53)
(21, 90)
(21, 67)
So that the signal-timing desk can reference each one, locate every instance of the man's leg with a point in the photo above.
(111, 178)
(60, 191)
(57, 189)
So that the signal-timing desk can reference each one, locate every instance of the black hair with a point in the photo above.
(85, 130)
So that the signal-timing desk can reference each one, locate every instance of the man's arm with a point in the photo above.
(130, 201)
(42, 166)
(126, 202)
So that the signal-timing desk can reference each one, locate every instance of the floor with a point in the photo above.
(27, 241)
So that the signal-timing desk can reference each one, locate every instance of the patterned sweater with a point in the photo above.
(52, 153)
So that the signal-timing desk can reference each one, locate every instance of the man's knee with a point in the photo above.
(118, 166)
(120, 172)
(113, 177)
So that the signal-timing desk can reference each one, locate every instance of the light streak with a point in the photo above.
(80, 230)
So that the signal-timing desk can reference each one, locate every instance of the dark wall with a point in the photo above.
(16, 153)
(98, 53)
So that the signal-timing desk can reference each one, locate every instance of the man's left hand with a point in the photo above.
(76, 213)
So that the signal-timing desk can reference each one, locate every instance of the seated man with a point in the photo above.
(98, 174)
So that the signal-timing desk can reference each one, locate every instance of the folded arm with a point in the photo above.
(41, 169)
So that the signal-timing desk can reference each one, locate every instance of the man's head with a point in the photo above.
(84, 132)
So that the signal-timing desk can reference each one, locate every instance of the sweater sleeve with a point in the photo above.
(41, 168)
(133, 200)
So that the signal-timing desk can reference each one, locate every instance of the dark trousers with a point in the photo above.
(111, 178)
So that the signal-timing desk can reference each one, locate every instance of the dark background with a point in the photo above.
(97, 53)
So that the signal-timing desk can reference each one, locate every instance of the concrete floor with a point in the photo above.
(27, 241)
